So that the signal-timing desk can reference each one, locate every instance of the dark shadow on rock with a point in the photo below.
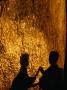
(23, 81)
(53, 77)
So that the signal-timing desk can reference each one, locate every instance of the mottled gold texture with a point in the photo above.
(34, 27)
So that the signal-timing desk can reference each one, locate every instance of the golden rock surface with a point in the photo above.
(34, 27)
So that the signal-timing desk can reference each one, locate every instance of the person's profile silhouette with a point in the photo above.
(23, 81)
(53, 77)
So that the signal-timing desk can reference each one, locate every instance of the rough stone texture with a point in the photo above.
(33, 26)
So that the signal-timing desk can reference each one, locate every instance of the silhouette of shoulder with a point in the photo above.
(52, 78)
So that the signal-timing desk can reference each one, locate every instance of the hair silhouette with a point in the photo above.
(53, 57)
(52, 78)
(24, 60)
(23, 81)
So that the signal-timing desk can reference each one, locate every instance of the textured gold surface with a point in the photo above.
(33, 28)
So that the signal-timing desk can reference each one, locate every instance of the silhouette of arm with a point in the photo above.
(36, 73)
(34, 77)
(41, 69)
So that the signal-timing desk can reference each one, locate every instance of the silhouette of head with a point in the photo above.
(53, 57)
(24, 60)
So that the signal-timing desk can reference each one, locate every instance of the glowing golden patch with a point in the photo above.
(36, 31)
(24, 39)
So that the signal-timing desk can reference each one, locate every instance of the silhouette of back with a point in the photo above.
(52, 78)
(23, 81)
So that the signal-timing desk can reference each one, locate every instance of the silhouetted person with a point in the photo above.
(23, 81)
(53, 77)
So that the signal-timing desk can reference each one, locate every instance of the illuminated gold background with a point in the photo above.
(36, 28)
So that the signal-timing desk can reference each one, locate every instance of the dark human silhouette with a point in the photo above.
(23, 81)
(53, 77)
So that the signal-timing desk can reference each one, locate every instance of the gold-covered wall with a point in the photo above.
(33, 26)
